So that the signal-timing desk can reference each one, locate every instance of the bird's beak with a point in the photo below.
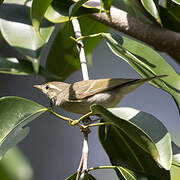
(38, 87)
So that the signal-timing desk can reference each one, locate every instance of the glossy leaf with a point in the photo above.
(174, 11)
(176, 154)
(175, 172)
(107, 5)
(38, 10)
(87, 177)
(128, 145)
(74, 7)
(170, 15)
(58, 11)
(1, 1)
(16, 28)
(16, 166)
(165, 151)
(132, 175)
(175, 168)
(153, 127)
(165, 3)
(63, 58)
(176, 160)
(176, 1)
(134, 8)
(15, 113)
(15, 66)
(23, 67)
(171, 18)
(152, 8)
(147, 62)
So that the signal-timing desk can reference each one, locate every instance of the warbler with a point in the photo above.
(79, 96)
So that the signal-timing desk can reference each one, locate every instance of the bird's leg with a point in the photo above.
(90, 121)
(87, 121)
(51, 104)
(85, 129)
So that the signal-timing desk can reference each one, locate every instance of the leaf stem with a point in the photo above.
(98, 124)
(88, 36)
(81, 118)
(100, 167)
(61, 117)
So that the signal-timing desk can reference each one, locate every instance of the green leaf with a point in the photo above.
(58, 11)
(87, 177)
(23, 67)
(165, 151)
(152, 7)
(132, 175)
(16, 28)
(175, 168)
(176, 1)
(165, 3)
(63, 58)
(175, 171)
(147, 62)
(107, 4)
(94, 27)
(176, 154)
(16, 166)
(128, 145)
(1, 1)
(171, 18)
(170, 15)
(176, 160)
(15, 113)
(74, 7)
(134, 8)
(15, 66)
(38, 10)
(153, 127)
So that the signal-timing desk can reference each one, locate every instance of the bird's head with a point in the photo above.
(52, 89)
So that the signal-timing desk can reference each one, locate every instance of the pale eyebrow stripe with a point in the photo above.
(55, 87)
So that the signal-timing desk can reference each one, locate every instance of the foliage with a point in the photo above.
(126, 134)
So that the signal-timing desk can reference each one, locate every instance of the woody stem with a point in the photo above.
(82, 57)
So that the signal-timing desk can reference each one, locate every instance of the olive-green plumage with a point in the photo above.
(79, 96)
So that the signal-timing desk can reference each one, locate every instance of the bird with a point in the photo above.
(79, 96)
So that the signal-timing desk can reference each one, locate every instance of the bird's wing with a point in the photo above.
(83, 89)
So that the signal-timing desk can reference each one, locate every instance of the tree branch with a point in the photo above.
(160, 38)
(82, 57)
(80, 47)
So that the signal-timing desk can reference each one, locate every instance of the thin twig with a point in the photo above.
(82, 57)
(80, 47)
(100, 167)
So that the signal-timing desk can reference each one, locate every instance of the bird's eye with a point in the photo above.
(47, 87)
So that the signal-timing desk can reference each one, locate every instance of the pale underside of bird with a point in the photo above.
(79, 96)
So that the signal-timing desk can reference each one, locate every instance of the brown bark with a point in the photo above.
(160, 38)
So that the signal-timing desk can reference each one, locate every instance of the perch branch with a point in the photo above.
(82, 57)
(160, 38)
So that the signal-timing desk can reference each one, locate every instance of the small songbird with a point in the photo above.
(79, 96)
